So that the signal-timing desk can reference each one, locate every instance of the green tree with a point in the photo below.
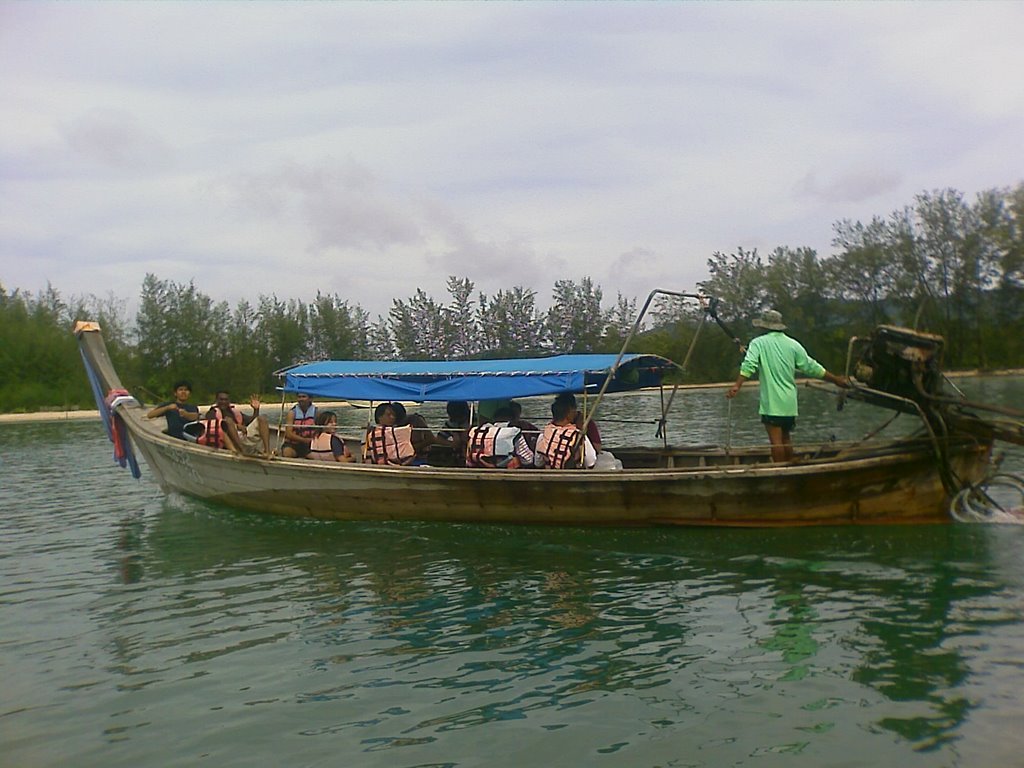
(575, 321)
(417, 328)
(510, 324)
(39, 362)
(739, 280)
(381, 345)
(182, 332)
(461, 320)
(337, 330)
(619, 322)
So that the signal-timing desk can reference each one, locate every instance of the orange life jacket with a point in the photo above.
(558, 445)
(213, 435)
(301, 422)
(321, 449)
(492, 445)
(390, 445)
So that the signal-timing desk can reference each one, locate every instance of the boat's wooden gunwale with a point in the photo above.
(883, 453)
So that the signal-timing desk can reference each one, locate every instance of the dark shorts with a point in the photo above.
(787, 423)
(301, 449)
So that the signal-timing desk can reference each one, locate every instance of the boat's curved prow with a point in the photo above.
(110, 395)
(94, 353)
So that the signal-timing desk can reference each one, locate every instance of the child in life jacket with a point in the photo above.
(326, 445)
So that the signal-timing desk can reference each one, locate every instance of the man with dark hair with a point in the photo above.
(558, 446)
(299, 427)
(593, 432)
(452, 437)
(178, 411)
(228, 427)
(778, 357)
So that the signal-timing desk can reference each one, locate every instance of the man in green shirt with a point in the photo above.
(777, 358)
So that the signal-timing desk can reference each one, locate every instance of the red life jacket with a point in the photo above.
(558, 445)
(213, 435)
(321, 448)
(492, 445)
(302, 422)
(390, 445)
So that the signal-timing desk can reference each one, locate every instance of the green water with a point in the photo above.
(142, 630)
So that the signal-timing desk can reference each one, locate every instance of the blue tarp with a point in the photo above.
(382, 381)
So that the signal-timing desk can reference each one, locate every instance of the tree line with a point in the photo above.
(943, 264)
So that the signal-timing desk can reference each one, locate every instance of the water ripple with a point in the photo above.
(142, 629)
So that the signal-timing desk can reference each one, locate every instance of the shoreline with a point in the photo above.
(86, 415)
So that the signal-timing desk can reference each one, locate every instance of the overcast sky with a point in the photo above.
(370, 149)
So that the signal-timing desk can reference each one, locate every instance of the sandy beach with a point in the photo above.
(22, 418)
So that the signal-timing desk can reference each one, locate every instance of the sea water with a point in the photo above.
(140, 629)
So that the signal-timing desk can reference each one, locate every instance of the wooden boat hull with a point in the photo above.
(897, 482)
(900, 486)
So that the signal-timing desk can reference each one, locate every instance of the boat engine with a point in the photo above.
(896, 365)
(901, 369)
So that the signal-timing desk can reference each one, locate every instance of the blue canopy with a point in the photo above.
(382, 381)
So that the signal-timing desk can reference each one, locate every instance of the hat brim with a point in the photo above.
(759, 323)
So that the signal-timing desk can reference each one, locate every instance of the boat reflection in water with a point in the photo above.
(429, 637)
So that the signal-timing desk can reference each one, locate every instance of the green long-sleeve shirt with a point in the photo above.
(777, 358)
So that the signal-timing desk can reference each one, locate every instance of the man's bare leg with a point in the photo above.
(781, 442)
(231, 436)
(264, 429)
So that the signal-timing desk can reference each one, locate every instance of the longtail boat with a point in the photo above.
(905, 480)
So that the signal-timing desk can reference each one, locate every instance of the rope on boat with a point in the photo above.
(728, 436)
(117, 431)
(974, 504)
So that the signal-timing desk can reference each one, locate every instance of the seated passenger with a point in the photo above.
(327, 446)
(179, 412)
(456, 426)
(530, 431)
(421, 436)
(298, 427)
(387, 443)
(593, 433)
(558, 446)
(227, 427)
(498, 444)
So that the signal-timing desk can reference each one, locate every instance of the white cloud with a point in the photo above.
(372, 149)
(852, 186)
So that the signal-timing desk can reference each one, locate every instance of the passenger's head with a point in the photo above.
(384, 414)
(504, 413)
(223, 399)
(182, 389)
(517, 409)
(458, 411)
(399, 409)
(562, 410)
(303, 400)
(566, 397)
(326, 417)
